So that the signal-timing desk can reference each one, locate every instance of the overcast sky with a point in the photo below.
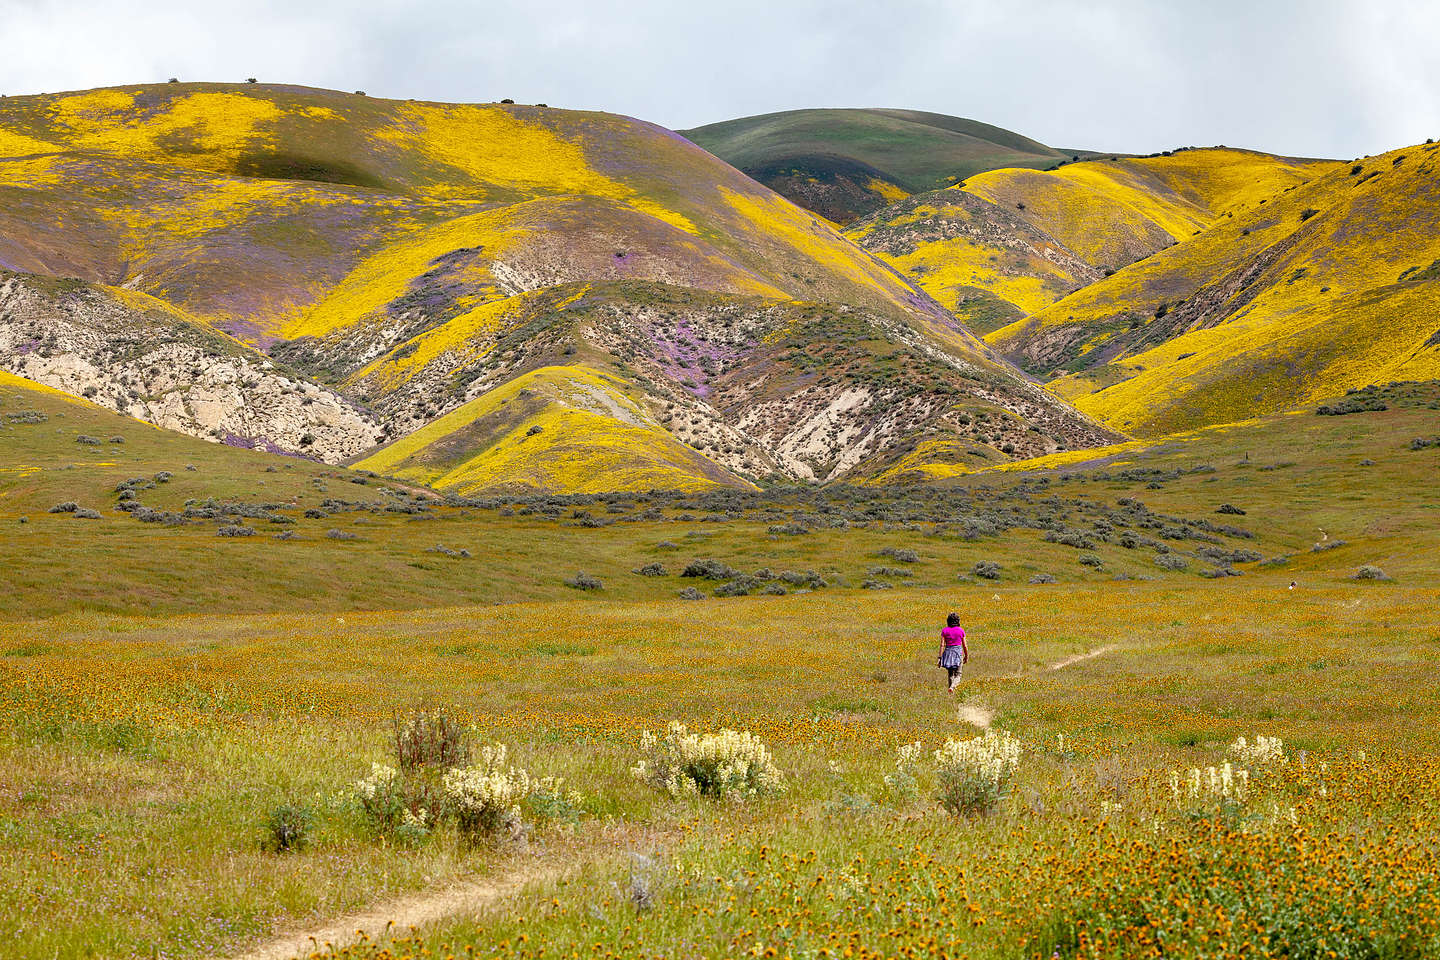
(1336, 78)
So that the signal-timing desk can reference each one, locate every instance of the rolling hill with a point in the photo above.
(1327, 286)
(401, 260)
(1008, 243)
(844, 164)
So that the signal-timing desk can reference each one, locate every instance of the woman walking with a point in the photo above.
(954, 654)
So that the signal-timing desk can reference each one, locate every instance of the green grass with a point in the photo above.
(915, 150)
(117, 564)
(164, 689)
(911, 149)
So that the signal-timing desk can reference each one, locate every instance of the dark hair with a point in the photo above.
(953, 620)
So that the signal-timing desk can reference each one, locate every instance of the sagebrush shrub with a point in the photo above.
(974, 774)
(584, 581)
(288, 828)
(901, 554)
(731, 765)
(707, 569)
(986, 569)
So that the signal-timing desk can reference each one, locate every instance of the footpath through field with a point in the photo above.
(465, 899)
(417, 910)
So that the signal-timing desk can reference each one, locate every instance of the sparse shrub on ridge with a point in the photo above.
(986, 570)
(901, 554)
(651, 570)
(709, 570)
(234, 530)
(1070, 538)
(1370, 572)
(584, 581)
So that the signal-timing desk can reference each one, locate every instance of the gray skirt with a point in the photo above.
(952, 657)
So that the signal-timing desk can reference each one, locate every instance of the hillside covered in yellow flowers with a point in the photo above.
(1007, 243)
(513, 297)
(1325, 286)
(409, 258)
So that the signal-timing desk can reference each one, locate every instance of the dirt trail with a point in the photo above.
(467, 898)
(981, 716)
(416, 910)
(1098, 651)
(975, 715)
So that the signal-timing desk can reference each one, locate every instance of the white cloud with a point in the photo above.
(1313, 77)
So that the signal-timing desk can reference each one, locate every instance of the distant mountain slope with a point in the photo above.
(844, 164)
(1329, 285)
(144, 358)
(568, 426)
(246, 204)
(415, 256)
(1007, 243)
(759, 388)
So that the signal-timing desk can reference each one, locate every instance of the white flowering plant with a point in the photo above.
(974, 774)
(381, 796)
(731, 765)
(491, 796)
(486, 797)
(436, 782)
(1224, 790)
(1263, 751)
(904, 783)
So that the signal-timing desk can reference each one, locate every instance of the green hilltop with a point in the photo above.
(845, 163)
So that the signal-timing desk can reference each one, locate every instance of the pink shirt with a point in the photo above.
(953, 636)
